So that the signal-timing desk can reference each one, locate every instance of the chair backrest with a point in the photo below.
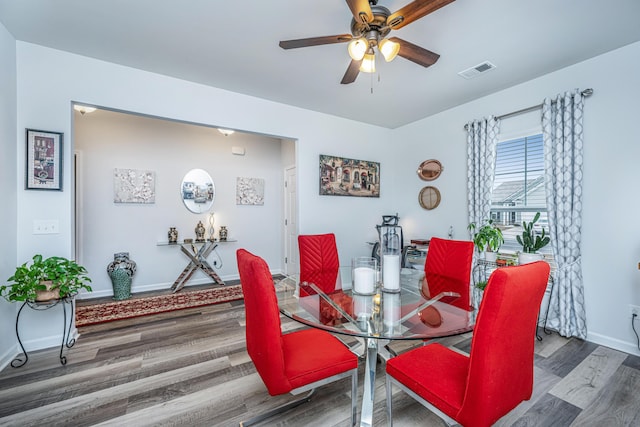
(319, 261)
(501, 361)
(263, 328)
(448, 268)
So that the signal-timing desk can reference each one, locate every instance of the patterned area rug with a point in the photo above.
(135, 307)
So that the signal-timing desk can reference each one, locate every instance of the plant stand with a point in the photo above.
(481, 271)
(66, 329)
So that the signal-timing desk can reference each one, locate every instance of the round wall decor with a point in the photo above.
(430, 170)
(429, 197)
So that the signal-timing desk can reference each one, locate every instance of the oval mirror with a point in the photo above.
(197, 191)
(430, 170)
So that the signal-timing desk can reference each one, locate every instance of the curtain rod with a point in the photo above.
(585, 93)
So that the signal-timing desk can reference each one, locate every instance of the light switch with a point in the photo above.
(46, 226)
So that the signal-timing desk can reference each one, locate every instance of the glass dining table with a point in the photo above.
(326, 301)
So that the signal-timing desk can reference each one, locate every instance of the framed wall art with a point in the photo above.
(249, 191)
(349, 177)
(44, 160)
(134, 186)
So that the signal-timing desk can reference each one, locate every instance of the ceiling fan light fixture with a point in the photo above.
(83, 109)
(368, 63)
(357, 48)
(388, 49)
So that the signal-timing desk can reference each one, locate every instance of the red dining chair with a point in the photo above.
(295, 362)
(319, 261)
(448, 269)
(319, 264)
(479, 389)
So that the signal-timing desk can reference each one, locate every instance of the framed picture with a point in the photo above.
(134, 186)
(249, 191)
(349, 177)
(44, 160)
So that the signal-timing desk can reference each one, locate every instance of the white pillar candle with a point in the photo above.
(362, 306)
(364, 279)
(391, 308)
(391, 272)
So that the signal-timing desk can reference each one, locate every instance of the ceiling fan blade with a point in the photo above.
(361, 10)
(415, 53)
(352, 72)
(414, 11)
(315, 41)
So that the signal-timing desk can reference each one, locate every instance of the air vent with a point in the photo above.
(475, 71)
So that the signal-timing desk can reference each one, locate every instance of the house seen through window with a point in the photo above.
(518, 189)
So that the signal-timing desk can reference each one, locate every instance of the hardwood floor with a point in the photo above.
(190, 368)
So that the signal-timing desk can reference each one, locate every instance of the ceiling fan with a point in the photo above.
(369, 28)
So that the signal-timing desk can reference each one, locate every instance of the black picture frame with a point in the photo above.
(43, 169)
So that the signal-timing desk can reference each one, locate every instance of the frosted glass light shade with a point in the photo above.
(368, 63)
(357, 48)
(389, 49)
(82, 109)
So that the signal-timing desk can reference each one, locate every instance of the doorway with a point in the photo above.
(290, 221)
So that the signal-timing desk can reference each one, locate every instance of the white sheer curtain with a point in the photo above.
(482, 138)
(563, 160)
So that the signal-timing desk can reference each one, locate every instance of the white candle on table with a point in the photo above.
(363, 280)
(391, 308)
(362, 306)
(391, 272)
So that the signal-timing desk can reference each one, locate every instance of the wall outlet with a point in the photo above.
(634, 309)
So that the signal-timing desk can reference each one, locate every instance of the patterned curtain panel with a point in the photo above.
(482, 138)
(563, 160)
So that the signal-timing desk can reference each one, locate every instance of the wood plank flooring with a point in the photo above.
(190, 368)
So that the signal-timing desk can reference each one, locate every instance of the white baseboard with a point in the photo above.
(51, 341)
(613, 343)
(8, 356)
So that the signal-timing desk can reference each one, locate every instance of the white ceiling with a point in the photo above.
(233, 45)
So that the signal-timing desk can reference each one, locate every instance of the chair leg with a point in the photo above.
(354, 396)
(278, 410)
(389, 399)
(447, 420)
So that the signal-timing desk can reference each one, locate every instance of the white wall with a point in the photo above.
(106, 140)
(611, 241)
(611, 244)
(8, 178)
(45, 103)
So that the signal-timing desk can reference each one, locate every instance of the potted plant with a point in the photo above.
(531, 241)
(487, 238)
(45, 279)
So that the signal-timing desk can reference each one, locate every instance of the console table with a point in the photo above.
(197, 252)
(66, 329)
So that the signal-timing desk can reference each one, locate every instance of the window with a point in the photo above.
(518, 188)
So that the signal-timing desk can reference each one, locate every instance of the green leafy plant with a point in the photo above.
(487, 236)
(530, 240)
(481, 285)
(29, 278)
